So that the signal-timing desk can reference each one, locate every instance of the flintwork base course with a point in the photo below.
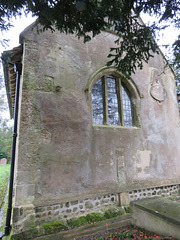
(163, 191)
(74, 209)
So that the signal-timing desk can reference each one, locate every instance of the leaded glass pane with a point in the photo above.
(113, 116)
(97, 102)
(127, 111)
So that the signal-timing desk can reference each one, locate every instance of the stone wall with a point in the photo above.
(62, 157)
(31, 216)
(74, 209)
(163, 191)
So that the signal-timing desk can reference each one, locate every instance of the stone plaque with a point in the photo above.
(157, 89)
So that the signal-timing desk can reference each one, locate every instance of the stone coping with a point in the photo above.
(164, 208)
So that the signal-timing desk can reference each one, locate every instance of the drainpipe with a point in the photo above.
(18, 69)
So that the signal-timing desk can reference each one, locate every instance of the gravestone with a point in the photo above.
(3, 162)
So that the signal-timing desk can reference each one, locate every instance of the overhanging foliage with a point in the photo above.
(135, 43)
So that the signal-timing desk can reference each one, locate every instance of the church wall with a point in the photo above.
(62, 156)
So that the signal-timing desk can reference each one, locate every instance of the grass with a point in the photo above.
(4, 176)
(2, 225)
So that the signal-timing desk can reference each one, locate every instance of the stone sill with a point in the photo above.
(115, 127)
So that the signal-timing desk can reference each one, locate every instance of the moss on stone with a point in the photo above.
(29, 83)
(48, 84)
(53, 227)
(173, 198)
(58, 226)
(26, 81)
(127, 209)
(31, 227)
(30, 234)
(94, 217)
(77, 222)
(114, 212)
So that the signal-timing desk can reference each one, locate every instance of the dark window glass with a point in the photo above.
(109, 104)
(113, 116)
(97, 102)
(127, 111)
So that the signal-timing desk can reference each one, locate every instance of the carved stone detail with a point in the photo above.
(157, 90)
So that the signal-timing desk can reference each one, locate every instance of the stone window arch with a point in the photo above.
(111, 102)
(113, 98)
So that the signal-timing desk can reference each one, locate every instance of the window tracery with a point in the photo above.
(111, 103)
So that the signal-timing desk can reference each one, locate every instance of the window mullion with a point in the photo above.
(105, 103)
(120, 103)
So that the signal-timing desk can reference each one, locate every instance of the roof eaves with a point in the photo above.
(8, 59)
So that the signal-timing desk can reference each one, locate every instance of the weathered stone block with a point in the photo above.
(75, 209)
(30, 221)
(88, 205)
(56, 213)
(3, 162)
(68, 210)
(56, 207)
(124, 199)
(105, 200)
(74, 203)
(16, 214)
(40, 209)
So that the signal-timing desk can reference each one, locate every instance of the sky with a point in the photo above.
(164, 37)
(20, 23)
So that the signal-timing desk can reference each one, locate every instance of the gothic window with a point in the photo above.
(111, 102)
